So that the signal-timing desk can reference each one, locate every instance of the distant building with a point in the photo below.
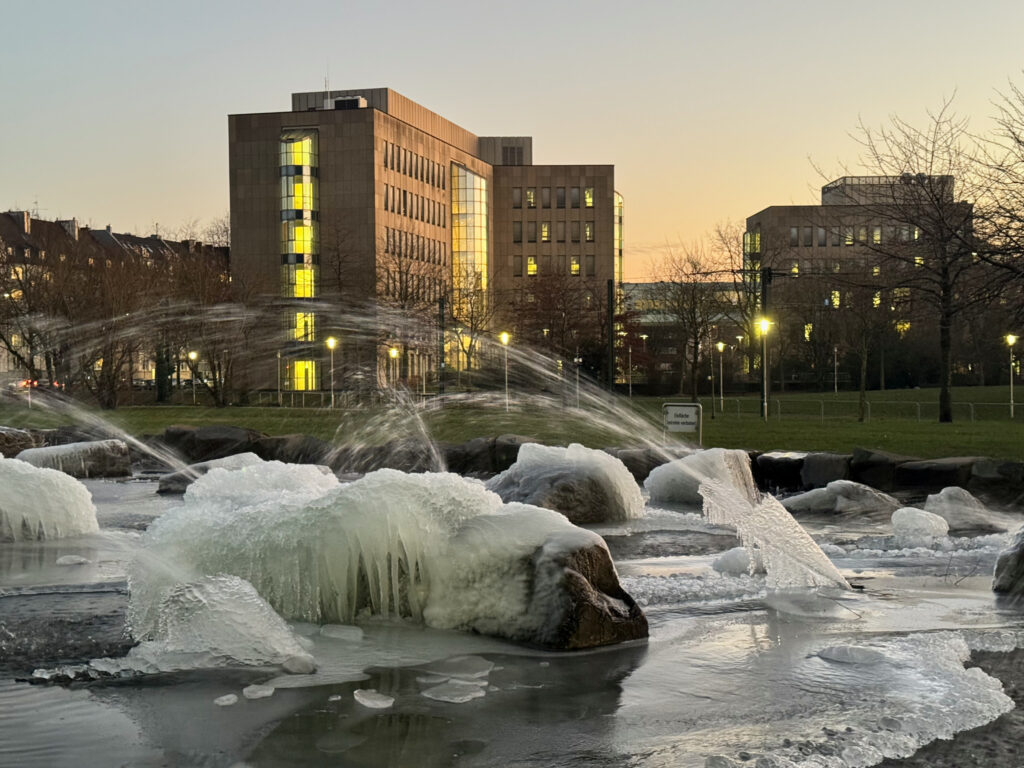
(362, 196)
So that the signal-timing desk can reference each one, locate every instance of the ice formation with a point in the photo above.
(841, 497)
(791, 558)
(960, 509)
(678, 482)
(584, 484)
(914, 527)
(99, 458)
(737, 561)
(369, 698)
(435, 548)
(37, 504)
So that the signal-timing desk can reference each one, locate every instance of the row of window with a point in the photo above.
(414, 166)
(900, 298)
(545, 197)
(901, 326)
(876, 234)
(417, 207)
(556, 233)
(842, 265)
(410, 245)
(558, 264)
(407, 287)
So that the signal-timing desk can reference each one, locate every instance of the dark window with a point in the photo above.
(531, 231)
(517, 266)
(517, 197)
(575, 231)
(574, 197)
(807, 240)
(794, 236)
(589, 263)
(545, 197)
(517, 231)
(560, 197)
(560, 231)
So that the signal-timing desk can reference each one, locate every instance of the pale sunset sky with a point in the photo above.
(116, 112)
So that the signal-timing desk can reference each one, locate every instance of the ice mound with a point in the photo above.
(914, 527)
(737, 561)
(37, 504)
(99, 458)
(791, 558)
(678, 482)
(841, 497)
(433, 548)
(1009, 573)
(212, 622)
(960, 509)
(585, 485)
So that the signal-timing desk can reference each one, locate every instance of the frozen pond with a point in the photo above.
(806, 678)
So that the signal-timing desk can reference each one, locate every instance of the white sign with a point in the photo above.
(683, 417)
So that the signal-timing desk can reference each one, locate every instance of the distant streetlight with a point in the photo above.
(721, 381)
(192, 364)
(579, 361)
(835, 371)
(763, 325)
(643, 338)
(504, 340)
(331, 344)
(280, 402)
(1010, 341)
(393, 354)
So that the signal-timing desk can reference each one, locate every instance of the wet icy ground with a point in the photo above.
(838, 680)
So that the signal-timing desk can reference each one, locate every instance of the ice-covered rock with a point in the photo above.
(14, 441)
(226, 700)
(102, 458)
(430, 547)
(914, 527)
(257, 691)
(37, 504)
(585, 485)
(369, 698)
(1009, 574)
(737, 561)
(177, 482)
(841, 497)
(678, 482)
(961, 510)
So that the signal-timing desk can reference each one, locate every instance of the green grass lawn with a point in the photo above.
(801, 426)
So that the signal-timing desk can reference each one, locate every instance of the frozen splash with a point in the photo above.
(38, 504)
(790, 556)
(678, 481)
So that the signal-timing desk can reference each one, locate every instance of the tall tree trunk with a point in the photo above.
(863, 394)
(946, 352)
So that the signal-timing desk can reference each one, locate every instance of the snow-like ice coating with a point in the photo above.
(841, 497)
(959, 508)
(434, 548)
(678, 482)
(791, 558)
(737, 561)
(914, 527)
(80, 459)
(595, 485)
(37, 504)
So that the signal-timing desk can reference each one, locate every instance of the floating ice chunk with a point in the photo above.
(455, 692)
(38, 503)
(585, 485)
(960, 509)
(791, 558)
(226, 701)
(299, 665)
(914, 527)
(841, 497)
(737, 561)
(347, 632)
(852, 654)
(463, 667)
(258, 691)
(678, 482)
(334, 697)
(73, 560)
(369, 697)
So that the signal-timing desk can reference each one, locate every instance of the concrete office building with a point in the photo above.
(362, 196)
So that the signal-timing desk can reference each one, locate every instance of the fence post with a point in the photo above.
(868, 404)
(778, 409)
(821, 405)
(971, 406)
(918, 410)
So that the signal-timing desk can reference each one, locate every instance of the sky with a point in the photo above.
(116, 112)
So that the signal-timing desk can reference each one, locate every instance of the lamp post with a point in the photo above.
(393, 354)
(504, 340)
(721, 381)
(1010, 341)
(629, 356)
(331, 344)
(578, 361)
(280, 402)
(763, 325)
(835, 371)
(192, 365)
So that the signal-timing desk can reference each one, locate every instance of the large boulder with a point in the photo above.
(962, 511)
(484, 456)
(14, 441)
(876, 468)
(820, 469)
(585, 485)
(841, 497)
(641, 461)
(934, 474)
(1009, 575)
(1000, 481)
(294, 449)
(177, 482)
(780, 470)
(103, 458)
(196, 444)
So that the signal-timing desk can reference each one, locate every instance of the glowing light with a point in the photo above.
(763, 325)
(1011, 339)
(331, 342)
(504, 337)
(393, 352)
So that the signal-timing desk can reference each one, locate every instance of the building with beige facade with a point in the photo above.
(361, 204)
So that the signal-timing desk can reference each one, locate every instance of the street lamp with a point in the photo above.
(192, 364)
(578, 361)
(393, 354)
(504, 340)
(331, 344)
(1010, 341)
(721, 381)
(835, 371)
(763, 325)
(280, 402)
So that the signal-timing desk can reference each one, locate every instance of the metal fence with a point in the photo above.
(825, 409)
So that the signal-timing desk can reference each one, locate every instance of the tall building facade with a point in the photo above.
(362, 199)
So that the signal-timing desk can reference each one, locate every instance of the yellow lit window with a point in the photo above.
(531, 197)
(304, 326)
(876, 271)
(531, 265)
(808, 330)
(795, 268)
(876, 301)
(588, 197)
(876, 235)
(545, 232)
(919, 261)
(835, 299)
(902, 327)
(303, 375)
(574, 265)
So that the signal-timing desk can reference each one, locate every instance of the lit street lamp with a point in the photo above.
(393, 354)
(1010, 341)
(835, 371)
(331, 344)
(280, 402)
(721, 382)
(192, 364)
(579, 361)
(504, 340)
(763, 325)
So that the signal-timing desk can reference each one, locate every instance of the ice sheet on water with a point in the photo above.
(430, 547)
(914, 527)
(678, 482)
(852, 654)
(791, 558)
(677, 589)
(540, 469)
(38, 503)
(455, 692)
